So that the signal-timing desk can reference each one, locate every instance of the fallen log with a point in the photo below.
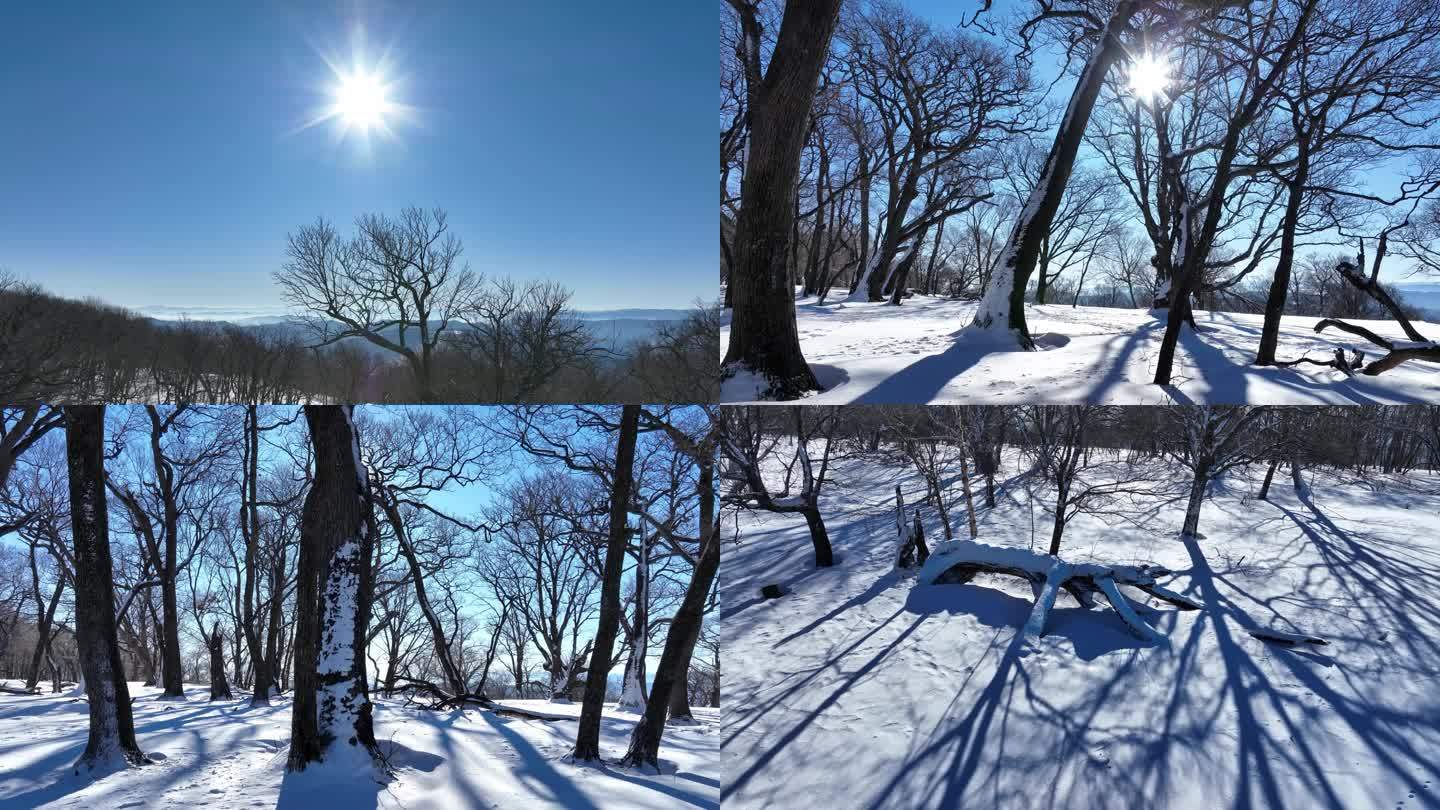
(957, 562)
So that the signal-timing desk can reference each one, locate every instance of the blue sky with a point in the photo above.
(154, 154)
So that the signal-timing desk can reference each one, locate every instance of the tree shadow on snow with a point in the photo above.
(1012, 743)
(795, 685)
(922, 380)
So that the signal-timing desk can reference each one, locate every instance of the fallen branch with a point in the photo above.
(1338, 362)
(1418, 348)
(1288, 639)
(957, 562)
(440, 699)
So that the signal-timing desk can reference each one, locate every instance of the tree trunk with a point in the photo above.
(1003, 306)
(1280, 285)
(969, 501)
(1269, 474)
(1175, 318)
(44, 620)
(454, 679)
(587, 739)
(219, 686)
(250, 530)
(1191, 529)
(680, 694)
(763, 337)
(112, 741)
(934, 254)
(901, 277)
(824, 557)
(632, 696)
(645, 739)
(1061, 495)
(171, 673)
(331, 707)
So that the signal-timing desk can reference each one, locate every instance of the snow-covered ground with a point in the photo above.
(878, 353)
(227, 755)
(864, 689)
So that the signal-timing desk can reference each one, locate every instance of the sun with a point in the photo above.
(1149, 76)
(361, 100)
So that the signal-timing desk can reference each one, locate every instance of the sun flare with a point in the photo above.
(1149, 76)
(361, 101)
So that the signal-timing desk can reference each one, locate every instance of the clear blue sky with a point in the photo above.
(153, 154)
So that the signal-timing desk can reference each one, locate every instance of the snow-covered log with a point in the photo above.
(956, 562)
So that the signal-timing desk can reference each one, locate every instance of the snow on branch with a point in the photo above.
(957, 562)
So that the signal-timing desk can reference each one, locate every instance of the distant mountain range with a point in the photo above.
(1423, 295)
(615, 329)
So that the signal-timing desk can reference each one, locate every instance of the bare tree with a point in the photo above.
(1210, 440)
(942, 101)
(175, 495)
(20, 428)
(397, 284)
(522, 336)
(749, 438)
(1058, 436)
(1361, 89)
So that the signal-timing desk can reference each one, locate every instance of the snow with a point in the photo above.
(226, 755)
(865, 687)
(739, 383)
(876, 353)
(947, 554)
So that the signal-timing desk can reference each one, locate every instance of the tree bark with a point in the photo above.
(1061, 495)
(632, 696)
(680, 693)
(331, 706)
(111, 743)
(763, 336)
(587, 739)
(1269, 475)
(969, 500)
